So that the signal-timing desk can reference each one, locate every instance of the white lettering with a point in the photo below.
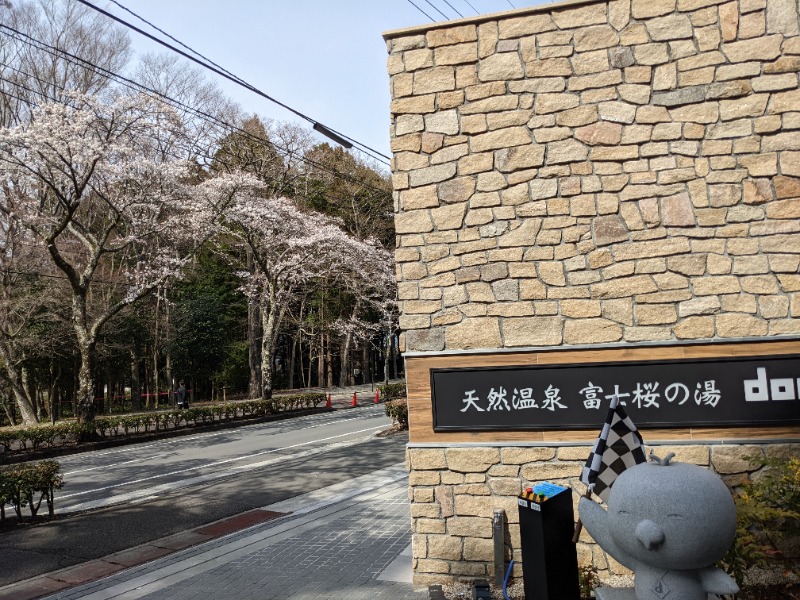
(755, 390)
(782, 389)
(762, 389)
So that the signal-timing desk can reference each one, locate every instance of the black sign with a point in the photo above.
(674, 393)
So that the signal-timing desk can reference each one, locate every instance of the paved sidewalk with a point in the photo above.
(347, 541)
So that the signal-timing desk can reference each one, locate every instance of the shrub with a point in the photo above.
(392, 391)
(398, 411)
(20, 484)
(767, 516)
(61, 434)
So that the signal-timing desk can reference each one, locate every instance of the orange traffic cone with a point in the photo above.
(354, 403)
(328, 403)
(377, 397)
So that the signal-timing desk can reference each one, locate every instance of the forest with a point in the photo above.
(152, 232)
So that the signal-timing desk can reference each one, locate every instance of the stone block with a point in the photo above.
(471, 460)
(452, 35)
(738, 325)
(426, 459)
(616, 111)
(734, 459)
(591, 331)
(472, 527)
(474, 332)
(566, 151)
(646, 9)
(594, 38)
(445, 547)
(489, 105)
(578, 116)
(551, 471)
(624, 287)
(600, 133)
(782, 17)
(620, 57)
(692, 328)
(609, 229)
(656, 314)
(473, 506)
(688, 95)
(532, 331)
(549, 67)
(523, 26)
(501, 138)
(670, 27)
(508, 160)
(763, 48)
(500, 67)
(434, 79)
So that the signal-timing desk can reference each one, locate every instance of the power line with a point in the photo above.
(411, 2)
(131, 84)
(237, 80)
(509, 3)
(437, 10)
(472, 7)
(454, 9)
(176, 40)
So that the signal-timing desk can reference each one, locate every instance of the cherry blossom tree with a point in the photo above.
(291, 249)
(87, 182)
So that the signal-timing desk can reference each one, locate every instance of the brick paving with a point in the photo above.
(328, 551)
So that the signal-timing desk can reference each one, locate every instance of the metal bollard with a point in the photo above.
(498, 535)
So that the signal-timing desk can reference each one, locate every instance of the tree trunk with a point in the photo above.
(387, 349)
(26, 408)
(345, 375)
(136, 399)
(329, 359)
(268, 319)
(292, 359)
(85, 410)
(15, 378)
(254, 339)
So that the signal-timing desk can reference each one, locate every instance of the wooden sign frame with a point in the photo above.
(419, 369)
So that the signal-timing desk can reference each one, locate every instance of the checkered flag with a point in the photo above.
(618, 447)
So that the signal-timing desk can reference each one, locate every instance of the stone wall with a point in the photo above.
(454, 492)
(617, 171)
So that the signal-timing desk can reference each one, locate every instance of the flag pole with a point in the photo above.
(579, 524)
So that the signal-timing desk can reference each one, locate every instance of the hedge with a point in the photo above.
(398, 411)
(70, 433)
(392, 391)
(20, 484)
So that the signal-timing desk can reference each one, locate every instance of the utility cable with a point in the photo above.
(411, 2)
(176, 40)
(131, 84)
(472, 7)
(455, 10)
(317, 126)
(434, 7)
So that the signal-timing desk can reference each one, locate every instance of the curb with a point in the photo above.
(57, 581)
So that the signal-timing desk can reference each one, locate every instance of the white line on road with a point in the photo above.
(150, 491)
(162, 443)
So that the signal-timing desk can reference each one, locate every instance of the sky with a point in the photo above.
(325, 58)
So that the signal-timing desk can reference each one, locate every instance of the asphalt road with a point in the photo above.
(119, 498)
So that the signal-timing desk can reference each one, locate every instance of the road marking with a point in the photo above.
(170, 486)
(162, 443)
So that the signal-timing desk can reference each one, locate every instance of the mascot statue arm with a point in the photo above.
(595, 519)
(717, 581)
